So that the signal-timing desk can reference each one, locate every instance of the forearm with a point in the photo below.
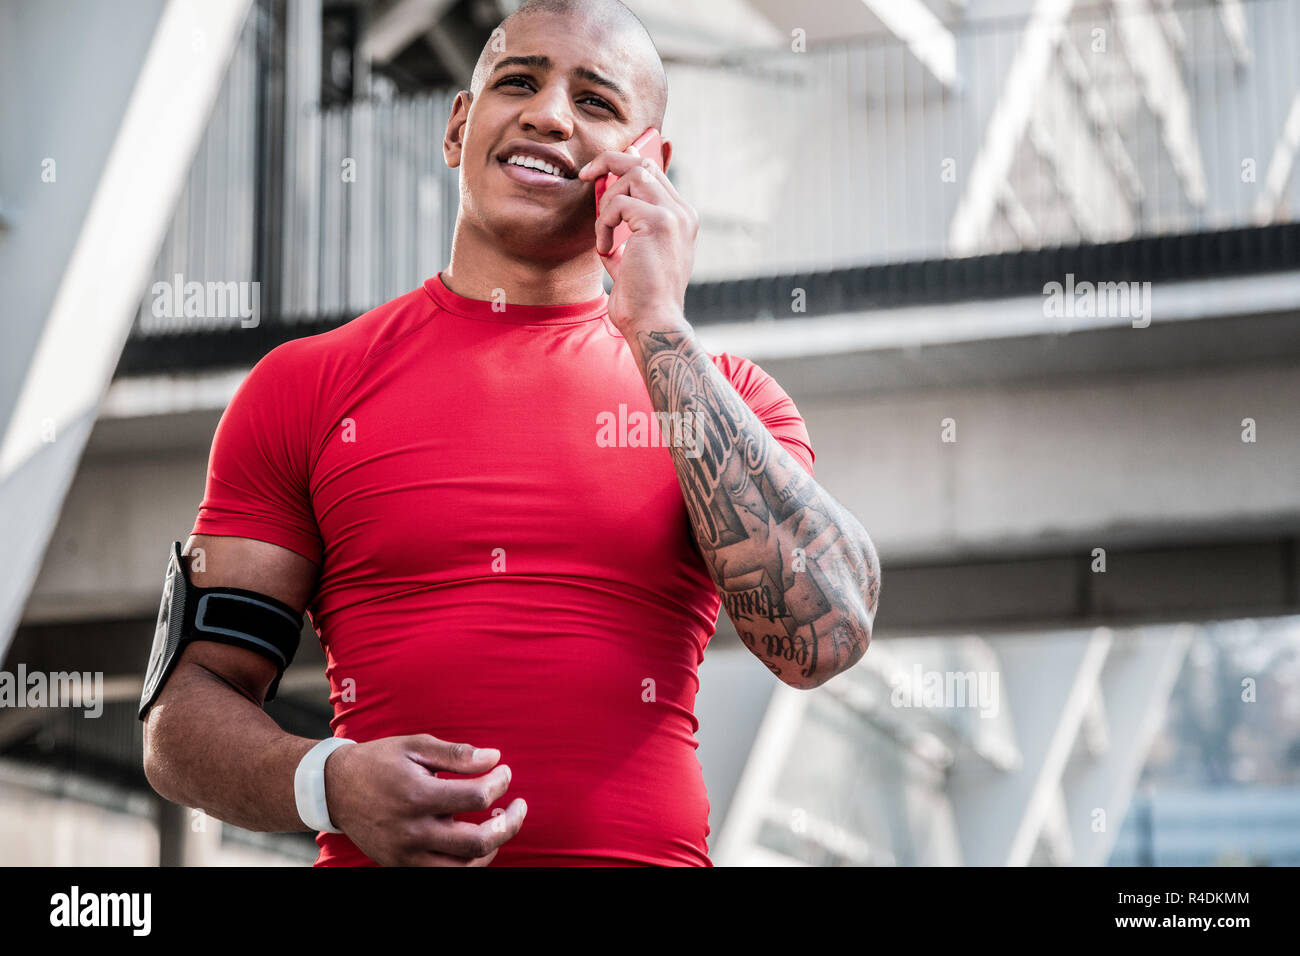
(798, 574)
(210, 747)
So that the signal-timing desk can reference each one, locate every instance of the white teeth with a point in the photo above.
(531, 162)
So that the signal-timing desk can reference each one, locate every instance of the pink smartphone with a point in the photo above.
(647, 144)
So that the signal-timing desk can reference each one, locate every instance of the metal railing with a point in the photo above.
(383, 210)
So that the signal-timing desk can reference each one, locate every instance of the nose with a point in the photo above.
(548, 111)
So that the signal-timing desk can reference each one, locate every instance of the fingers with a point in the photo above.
(625, 207)
(638, 176)
(442, 796)
(642, 183)
(405, 810)
(446, 842)
(436, 754)
(620, 164)
(442, 859)
(654, 198)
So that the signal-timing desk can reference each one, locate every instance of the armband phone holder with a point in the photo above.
(232, 616)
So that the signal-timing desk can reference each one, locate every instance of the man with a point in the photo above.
(513, 506)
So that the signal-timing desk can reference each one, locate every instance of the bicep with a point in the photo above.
(221, 561)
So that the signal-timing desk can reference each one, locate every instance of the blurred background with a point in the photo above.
(1029, 268)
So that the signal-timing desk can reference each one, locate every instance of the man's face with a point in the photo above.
(587, 97)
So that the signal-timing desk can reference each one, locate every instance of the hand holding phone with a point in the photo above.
(648, 144)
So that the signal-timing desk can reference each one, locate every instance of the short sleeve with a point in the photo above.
(774, 408)
(257, 485)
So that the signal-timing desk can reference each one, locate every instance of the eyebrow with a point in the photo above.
(541, 62)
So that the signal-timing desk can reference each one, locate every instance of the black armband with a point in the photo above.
(225, 615)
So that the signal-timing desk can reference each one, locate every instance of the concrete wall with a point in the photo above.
(1084, 463)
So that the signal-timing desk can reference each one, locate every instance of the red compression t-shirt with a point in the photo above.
(490, 572)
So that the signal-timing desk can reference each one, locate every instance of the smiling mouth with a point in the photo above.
(531, 171)
(524, 161)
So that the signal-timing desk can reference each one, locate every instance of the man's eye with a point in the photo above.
(525, 82)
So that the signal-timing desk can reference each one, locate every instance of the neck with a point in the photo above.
(481, 264)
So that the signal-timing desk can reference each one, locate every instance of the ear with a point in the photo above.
(453, 141)
(667, 153)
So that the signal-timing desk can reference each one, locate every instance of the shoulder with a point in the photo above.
(319, 366)
(355, 342)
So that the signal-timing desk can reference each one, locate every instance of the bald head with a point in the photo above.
(628, 34)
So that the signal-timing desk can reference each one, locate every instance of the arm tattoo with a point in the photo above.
(797, 574)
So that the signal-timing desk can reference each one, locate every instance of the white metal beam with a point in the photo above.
(924, 33)
(1136, 686)
(829, 836)
(1017, 216)
(1153, 61)
(1055, 838)
(1170, 24)
(395, 29)
(110, 263)
(1082, 174)
(1007, 125)
(1233, 18)
(777, 734)
(91, 314)
(1268, 207)
(458, 60)
(1103, 121)
(1048, 681)
(1095, 735)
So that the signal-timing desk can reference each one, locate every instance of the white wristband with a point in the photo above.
(309, 785)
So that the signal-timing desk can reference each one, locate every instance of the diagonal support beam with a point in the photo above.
(924, 33)
(1268, 207)
(777, 736)
(395, 29)
(82, 334)
(455, 56)
(1155, 64)
(1007, 125)
(1173, 29)
(1050, 681)
(1136, 687)
(1233, 18)
(1103, 122)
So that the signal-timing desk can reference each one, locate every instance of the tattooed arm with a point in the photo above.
(797, 573)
